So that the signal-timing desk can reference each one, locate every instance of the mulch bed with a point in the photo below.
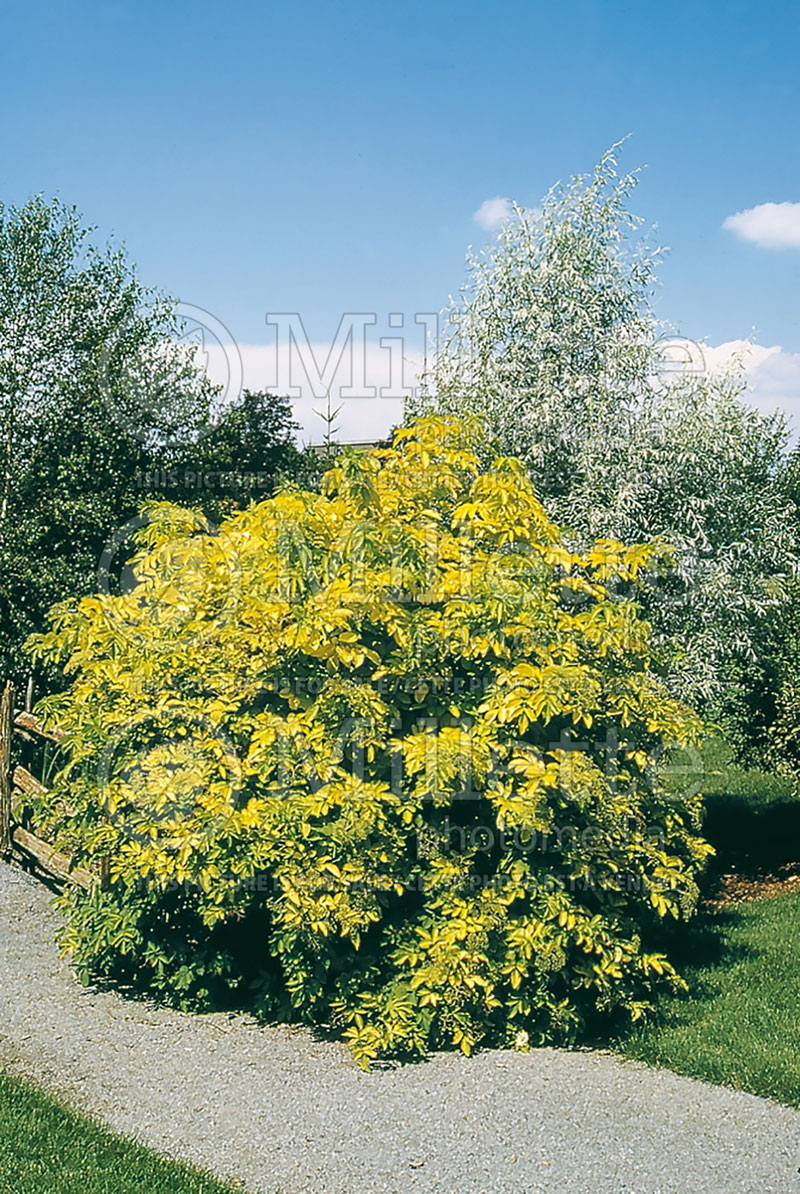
(738, 887)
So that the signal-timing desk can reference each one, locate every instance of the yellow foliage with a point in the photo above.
(386, 754)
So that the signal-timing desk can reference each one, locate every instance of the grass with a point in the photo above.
(727, 784)
(752, 817)
(739, 1024)
(46, 1148)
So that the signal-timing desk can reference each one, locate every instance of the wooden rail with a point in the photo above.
(49, 859)
(31, 723)
(28, 783)
(6, 719)
(20, 783)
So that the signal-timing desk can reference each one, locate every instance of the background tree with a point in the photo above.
(101, 407)
(775, 701)
(554, 343)
(249, 449)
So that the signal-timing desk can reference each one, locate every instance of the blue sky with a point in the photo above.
(329, 157)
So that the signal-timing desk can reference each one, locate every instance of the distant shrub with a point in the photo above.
(333, 755)
(752, 815)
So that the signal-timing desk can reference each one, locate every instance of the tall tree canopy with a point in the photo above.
(554, 343)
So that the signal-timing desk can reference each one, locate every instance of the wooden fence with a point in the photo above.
(19, 729)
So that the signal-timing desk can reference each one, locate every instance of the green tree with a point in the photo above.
(554, 344)
(94, 387)
(243, 456)
(775, 705)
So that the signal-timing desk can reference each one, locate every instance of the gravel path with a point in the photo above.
(285, 1113)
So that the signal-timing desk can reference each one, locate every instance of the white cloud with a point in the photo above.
(719, 357)
(770, 225)
(361, 418)
(493, 212)
(773, 375)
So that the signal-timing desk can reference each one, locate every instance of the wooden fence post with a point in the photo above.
(6, 731)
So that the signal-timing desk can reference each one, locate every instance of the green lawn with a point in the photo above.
(740, 1024)
(47, 1149)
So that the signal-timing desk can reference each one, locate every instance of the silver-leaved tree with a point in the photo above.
(554, 342)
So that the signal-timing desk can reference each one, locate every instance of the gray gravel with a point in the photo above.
(283, 1112)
